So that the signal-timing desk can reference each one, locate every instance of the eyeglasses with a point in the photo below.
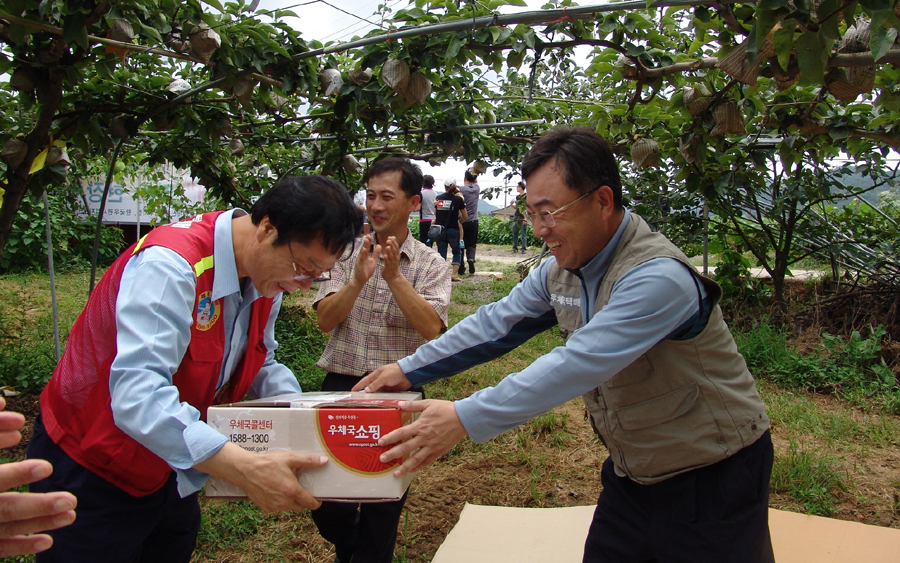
(323, 275)
(547, 218)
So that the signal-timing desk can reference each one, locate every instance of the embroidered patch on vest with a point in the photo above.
(207, 311)
(565, 301)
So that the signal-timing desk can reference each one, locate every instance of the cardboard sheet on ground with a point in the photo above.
(523, 535)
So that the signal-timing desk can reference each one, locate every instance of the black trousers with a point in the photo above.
(717, 513)
(361, 532)
(470, 238)
(113, 526)
(423, 231)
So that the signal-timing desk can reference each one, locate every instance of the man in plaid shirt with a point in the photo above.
(386, 299)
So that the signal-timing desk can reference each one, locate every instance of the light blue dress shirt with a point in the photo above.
(648, 304)
(154, 313)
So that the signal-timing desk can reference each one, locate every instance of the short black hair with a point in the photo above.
(469, 177)
(410, 174)
(586, 157)
(428, 180)
(308, 208)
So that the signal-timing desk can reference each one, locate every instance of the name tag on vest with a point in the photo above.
(565, 301)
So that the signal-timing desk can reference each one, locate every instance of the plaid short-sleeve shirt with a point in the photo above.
(376, 332)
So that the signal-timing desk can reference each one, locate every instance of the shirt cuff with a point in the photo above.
(467, 412)
(190, 481)
(202, 443)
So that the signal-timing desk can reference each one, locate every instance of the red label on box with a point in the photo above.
(350, 436)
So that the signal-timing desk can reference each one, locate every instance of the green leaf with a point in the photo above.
(889, 101)
(74, 31)
(151, 33)
(528, 38)
(17, 33)
(810, 58)
(514, 59)
(701, 13)
(215, 4)
(877, 5)
(838, 133)
(771, 4)
(453, 48)
(783, 41)
(881, 41)
(829, 28)
(765, 21)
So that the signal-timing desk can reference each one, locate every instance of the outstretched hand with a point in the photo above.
(432, 435)
(22, 515)
(386, 378)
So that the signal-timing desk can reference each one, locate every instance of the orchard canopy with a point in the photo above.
(716, 102)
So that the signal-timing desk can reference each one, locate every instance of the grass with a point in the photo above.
(27, 350)
(814, 479)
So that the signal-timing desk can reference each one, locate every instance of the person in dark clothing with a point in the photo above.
(470, 192)
(519, 227)
(450, 211)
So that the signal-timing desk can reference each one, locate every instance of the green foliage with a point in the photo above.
(852, 368)
(300, 344)
(733, 276)
(27, 351)
(812, 478)
(73, 238)
(495, 230)
(26, 366)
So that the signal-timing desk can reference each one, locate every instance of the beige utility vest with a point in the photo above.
(684, 404)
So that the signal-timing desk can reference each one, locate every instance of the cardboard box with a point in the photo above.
(344, 426)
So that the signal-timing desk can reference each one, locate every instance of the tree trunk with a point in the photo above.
(49, 92)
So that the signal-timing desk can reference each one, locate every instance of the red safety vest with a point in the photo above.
(75, 405)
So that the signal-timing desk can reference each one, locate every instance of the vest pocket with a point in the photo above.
(205, 351)
(669, 433)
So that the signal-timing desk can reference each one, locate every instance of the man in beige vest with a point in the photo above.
(687, 477)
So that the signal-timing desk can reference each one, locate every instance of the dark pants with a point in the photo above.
(519, 232)
(361, 532)
(715, 513)
(423, 232)
(451, 239)
(112, 525)
(470, 238)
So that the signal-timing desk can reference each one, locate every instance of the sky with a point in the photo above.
(341, 20)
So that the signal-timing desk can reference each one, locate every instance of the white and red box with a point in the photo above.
(345, 426)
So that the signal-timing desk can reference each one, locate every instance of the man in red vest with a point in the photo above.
(182, 320)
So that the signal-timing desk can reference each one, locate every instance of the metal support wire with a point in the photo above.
(52, 276)
(528, 18)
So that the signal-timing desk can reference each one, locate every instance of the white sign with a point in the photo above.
(123, 207)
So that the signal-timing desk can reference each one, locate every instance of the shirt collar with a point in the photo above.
(225, 281)
(598, 265)
(407, 246)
